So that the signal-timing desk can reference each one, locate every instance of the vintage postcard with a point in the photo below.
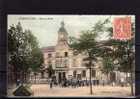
(71, 55)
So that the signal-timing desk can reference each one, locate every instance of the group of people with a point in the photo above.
(72, 83)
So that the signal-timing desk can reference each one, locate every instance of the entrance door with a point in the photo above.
(59, 77)
(112, 76)
(79, 76)
(64, 75)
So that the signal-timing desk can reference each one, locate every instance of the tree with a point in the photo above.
(23, 51)
(15, 45)
(122, 54)
(87, 43)
(125, 57)
(50, 71)
(36, 55)
(108, 66)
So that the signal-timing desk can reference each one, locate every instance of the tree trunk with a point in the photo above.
(90, 82)
(16, 76)
(108, 79)
(35, 78)
(26, 74)
(131, 72)
(22, 77)
(131, 83)
(90, 71)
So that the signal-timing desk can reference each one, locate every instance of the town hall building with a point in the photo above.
(67, 64)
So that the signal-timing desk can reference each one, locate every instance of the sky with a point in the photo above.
(45, 27)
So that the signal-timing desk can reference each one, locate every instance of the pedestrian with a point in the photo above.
(75, 83)
(64, 83)
(113, 83)
(51, 84)
(18, 82)
(97, 82)
(82, 83)
(78, 83)
(122, 82)
(103, 82)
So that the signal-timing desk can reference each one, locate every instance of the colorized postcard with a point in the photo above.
(71, 55)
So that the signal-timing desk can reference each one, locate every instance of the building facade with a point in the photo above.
(67, 64)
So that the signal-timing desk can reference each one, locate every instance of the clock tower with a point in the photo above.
(62, 36)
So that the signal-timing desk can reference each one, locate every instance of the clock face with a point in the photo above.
(61, 36)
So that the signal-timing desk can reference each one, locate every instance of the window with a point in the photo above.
(79, 76)
(74, 73)
(75, 53)
(66, 63)
(57, 54)
(93, 73)
(57, 63)
(45, 55)
(83, 73)
(83, 63)
(66, 54)
(49, 55)
(74, 62)
(49, 62)
(64, 75)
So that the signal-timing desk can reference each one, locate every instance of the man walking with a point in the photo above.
(51, 83)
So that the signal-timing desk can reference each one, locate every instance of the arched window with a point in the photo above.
(65, 62)
(93, 73)
(66, 54)
(84, 73)
(74, 73)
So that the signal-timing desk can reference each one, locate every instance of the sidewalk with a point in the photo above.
(44, 90)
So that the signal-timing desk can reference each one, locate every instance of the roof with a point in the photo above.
(62, 28)
(48, 49)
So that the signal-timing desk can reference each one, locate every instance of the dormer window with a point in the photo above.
(49, 55)
(66, 54)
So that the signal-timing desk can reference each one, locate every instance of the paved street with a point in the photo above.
(44, 90)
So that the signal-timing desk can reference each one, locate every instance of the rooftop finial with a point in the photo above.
(62, 24)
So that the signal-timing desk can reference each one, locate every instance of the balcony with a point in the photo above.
(61, 66)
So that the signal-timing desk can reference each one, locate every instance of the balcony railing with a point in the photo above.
(61, 66)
